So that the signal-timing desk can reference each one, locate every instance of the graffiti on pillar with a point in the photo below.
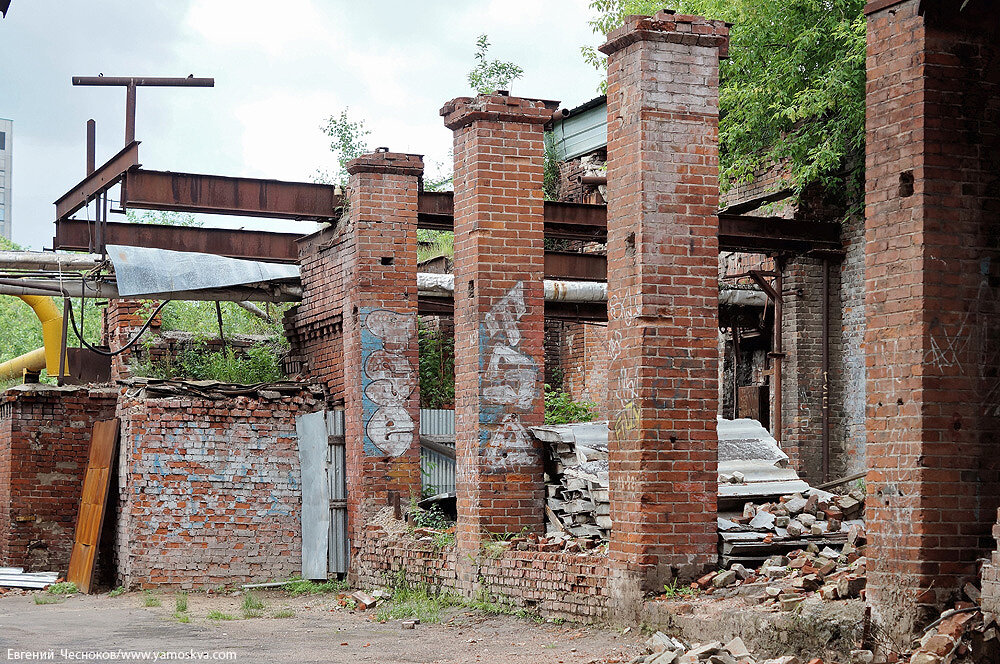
(625, 406)
(388, 378)
(508, 383)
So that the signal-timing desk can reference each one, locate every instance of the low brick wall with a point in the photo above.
(567, 586)
(210, 491)
(44, 445)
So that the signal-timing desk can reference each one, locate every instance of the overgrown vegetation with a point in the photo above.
(256, 364)
(150, 600)
(488, 76)
(252, 606)
(117, 592)
(432, 517)
(297, 587)
(420, 601)
(437, 367)
(793, 87)
(560, 408)
(62, 588)
(215, 614)
(673, 591)
(551, 183)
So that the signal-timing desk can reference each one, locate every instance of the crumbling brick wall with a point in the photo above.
(45, 436)
(848, 365)
(584, 362)
(991, 575)
(314, 327)
(210, 490)
(558, 585)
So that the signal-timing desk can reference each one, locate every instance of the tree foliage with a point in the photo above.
(792, 89)
(488, 76)
(349, 141)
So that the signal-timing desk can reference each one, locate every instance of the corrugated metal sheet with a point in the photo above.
(437, 471)
(582, 133)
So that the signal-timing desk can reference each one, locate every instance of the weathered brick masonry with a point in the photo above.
(559, 585)
(932, 276)
(499, 313)
(209, 490)
(991, 575)
(663, 298)
(44, 446)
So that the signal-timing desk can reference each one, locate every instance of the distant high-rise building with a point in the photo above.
(6, 174)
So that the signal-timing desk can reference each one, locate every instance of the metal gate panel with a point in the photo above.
(313, 449)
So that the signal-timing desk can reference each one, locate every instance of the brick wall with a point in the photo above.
(933, 282)
(558, 585)
(663, 298)
(44, 446)
(122, 320)
(209, 490)
(584, 362)
(991, 575)
(848, 365)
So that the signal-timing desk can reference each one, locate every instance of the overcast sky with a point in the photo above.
(281, 67)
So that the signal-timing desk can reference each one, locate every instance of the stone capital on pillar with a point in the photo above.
(378, 257)
(499, 313)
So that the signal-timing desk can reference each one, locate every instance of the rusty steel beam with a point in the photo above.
(100, 180)
(145, 81)
(576, 267)
(773, 234)
(74, 235)
(217, 194)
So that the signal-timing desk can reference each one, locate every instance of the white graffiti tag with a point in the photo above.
(509, 383)
(389, 381)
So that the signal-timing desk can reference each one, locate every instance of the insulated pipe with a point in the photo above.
(443, 285)
(46, 357)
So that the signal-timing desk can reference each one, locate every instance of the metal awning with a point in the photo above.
(140, 271)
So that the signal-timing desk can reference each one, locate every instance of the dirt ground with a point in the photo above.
(319, 631)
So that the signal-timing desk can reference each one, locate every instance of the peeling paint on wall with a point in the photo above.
(388, 378)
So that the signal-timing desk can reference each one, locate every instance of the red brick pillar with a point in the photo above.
(663, 272)
(499, 313)
(381, 392)
(932, 274)
(122, 320)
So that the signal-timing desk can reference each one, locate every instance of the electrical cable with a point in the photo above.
(132, 341)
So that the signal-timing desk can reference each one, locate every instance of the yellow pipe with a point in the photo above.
(46, 357)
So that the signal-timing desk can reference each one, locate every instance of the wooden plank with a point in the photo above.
(313, 443)
(103, 444)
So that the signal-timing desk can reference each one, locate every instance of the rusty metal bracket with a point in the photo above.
(99, 181)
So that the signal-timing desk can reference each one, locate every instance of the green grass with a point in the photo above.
(62, 588)
(673, 591)
(416, 602)
(48, 599)
(181, 602)
(252, 606)
(150, 600)
(284, 613)
(117, 592)
(297, 587)
(219, 615)
(182, 617)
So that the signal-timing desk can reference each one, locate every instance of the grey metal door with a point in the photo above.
(339, 549)
(322, 460)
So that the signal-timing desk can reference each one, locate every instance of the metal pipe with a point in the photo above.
(47, 260)
(777, 352)
(443, 285)
(736, 372)
(594, 179)
(162, 82)
(91, 146)
(826, 369)
(15, 368)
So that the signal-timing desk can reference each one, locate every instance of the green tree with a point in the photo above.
(792, 89)
(349, 141)
(488, 76)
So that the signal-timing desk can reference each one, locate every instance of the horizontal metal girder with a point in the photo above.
(218, 194)
(100, 180)
(772, 234)
(145, 81)
(576, 267)
(75, 235)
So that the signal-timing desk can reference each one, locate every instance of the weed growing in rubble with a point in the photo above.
(488, 76)
(117, 592)
(432, 518)
(252, 606)
(284, 613)
(560, 408)
(182, 617)
(149, 599)
(443, 540)
(48, 599)
(62, 588)
(673, 591)
(219, 615)
(181, 602)
(297, 587)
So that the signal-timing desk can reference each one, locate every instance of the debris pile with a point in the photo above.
(794, 521)
(962, 635)
(665, 649)
(578, 502)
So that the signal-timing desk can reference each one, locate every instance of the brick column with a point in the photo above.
(933, 285)
(381, 394)
(122, 319)
(499, 313)
(663, 283)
